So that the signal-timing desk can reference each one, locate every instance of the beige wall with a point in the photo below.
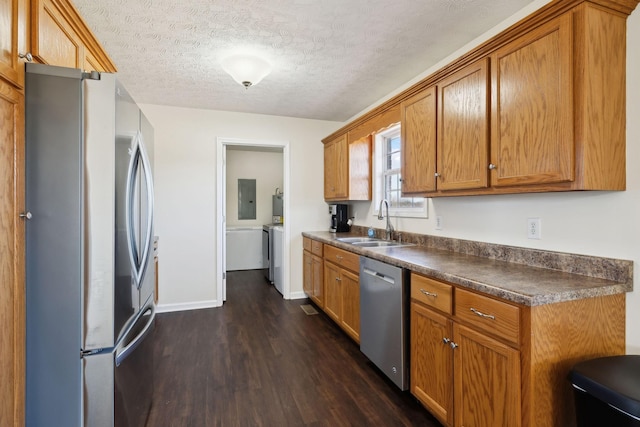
(185, 184)
(594, 223)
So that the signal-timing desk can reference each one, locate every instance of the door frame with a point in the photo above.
(221, 181)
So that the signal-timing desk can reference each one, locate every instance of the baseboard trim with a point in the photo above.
(297, 295)
(169, 308)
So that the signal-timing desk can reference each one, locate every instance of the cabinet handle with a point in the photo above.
(429, 294)
(339, 258)
(486, 316)
(492, 166)
(27, 56)
(338, 279)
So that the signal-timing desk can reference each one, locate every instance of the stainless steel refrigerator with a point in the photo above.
(89, 235)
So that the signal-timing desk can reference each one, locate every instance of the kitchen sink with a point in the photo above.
(355, 240)
(379, 244)
(370, 242)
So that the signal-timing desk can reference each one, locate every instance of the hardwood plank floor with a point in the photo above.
(261, 361)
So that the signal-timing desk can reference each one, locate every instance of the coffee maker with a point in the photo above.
(339, 218)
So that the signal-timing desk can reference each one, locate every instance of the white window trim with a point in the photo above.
(378, 162)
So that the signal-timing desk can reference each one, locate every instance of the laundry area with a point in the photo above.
(254, 211)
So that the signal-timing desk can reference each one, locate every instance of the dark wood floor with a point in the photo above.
(261, 361)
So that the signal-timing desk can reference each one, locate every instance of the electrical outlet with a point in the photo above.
(438, 222)
(534, 228)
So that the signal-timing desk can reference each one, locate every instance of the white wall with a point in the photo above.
(266, 169)
(185, 184)
(604, 224)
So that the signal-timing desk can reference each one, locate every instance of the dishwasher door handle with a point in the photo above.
(378, 275)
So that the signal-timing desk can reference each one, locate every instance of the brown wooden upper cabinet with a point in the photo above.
(336, 169)
(59, 37)
(13, 40)
(445, 133)
(347, 169)
(532, 139)
(418, 135)
(539, 107)
(463, 128)
(558, 95)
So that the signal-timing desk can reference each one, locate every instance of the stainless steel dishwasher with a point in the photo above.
(384, 318)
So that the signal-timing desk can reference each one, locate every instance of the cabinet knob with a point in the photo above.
(453, 345)
(26, 215)
(27, 56)
(436, 174)
(492, 166)
(446, 340)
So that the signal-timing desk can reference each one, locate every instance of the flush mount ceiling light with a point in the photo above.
(245, 69)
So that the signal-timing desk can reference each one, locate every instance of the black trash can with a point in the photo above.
(607, 391)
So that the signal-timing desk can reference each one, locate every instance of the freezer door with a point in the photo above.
(134, 372)
(98, 390)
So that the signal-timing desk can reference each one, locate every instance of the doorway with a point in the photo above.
(222, 210)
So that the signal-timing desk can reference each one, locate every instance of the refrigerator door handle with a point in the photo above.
(146, 167)
(123, 353)
(138, 257)
(129, 206)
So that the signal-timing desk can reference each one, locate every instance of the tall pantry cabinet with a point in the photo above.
(50, 32)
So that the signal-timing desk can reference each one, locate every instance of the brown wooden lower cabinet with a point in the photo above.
(342, 298)
(484, 362)
(432, 361)
(342, 289)
(313, 271)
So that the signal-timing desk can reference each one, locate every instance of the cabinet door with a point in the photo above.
(463, 128)
(12, 310)
(307, 269)
(350, 316)
(418, 128)
(532, 137)
(13, 35)
(54, 40)
(358, 185)
(332, 291)
(486, 381)
(317, 277)
(432, 361)
(336, 169)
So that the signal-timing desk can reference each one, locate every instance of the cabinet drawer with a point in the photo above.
(316, 248)
(488, 314)
(306, 244)
(431, 292)
(344, 259)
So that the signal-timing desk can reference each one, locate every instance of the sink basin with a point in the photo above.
(379, 244)
(358, 240)
(371, 242)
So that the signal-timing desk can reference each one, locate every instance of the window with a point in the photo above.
(388, 183)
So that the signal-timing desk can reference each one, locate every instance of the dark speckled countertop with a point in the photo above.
(524, 276)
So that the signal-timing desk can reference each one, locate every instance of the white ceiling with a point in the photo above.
(330, 58)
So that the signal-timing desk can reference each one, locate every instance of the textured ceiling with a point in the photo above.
(330, 58)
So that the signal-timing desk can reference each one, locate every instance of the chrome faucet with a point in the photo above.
(389, 228)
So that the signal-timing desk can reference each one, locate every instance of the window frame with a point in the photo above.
(380, 170)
